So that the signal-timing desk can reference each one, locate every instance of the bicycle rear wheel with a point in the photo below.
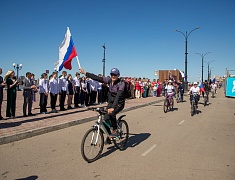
(123, 135)
(192, 109)
(92, 145)
(165, 106)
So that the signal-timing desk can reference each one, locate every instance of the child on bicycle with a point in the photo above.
(170, 89)
(116, 99)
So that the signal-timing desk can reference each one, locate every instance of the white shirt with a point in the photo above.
(63, 83)
(195, 90)
(94, 85)
(77, 81)
(169, 89)
(54, 87)
(99, 86)
(43, 86)
(213, 86)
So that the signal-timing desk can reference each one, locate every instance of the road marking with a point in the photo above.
(149, 150)
(181, 122)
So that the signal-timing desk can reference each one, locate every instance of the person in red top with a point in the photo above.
(153, 85)
(159, 88)
(137, 88)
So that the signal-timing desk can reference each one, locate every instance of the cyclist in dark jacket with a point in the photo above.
(116, 99)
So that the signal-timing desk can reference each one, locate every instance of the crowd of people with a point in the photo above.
(80, 91)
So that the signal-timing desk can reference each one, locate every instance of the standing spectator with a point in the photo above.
(88, 95)
(148, 84)
(70, 91)
(54, 90)
(132, 88)
(2, 85)
(34, 90)
(181, 91)
(99, 90)
(144, 83)
(159, 88)
(77, 89)
(11, 83)
(137, 88)
(63, 89)
(93, 91)
(154, 87)
(28, 88)
(83, 91)
(43, 91)
(105, 90)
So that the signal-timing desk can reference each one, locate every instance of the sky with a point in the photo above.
(139, 35)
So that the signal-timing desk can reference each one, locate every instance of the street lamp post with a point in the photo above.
(208, 68)
(210, 73)
(104, 60)
(203, 55)
(186, 35)
(17, 67)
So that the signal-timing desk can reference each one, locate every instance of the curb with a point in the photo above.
(36, 132)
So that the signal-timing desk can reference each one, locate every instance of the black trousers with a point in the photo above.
(1, 98)
(88, 99)
(53, 100)
(112, 117)
(105, 90)
(99, 96)
(77, 96)
(93, 97)
(11, 104)
(83, 97)
(43, 102)
(62, 99)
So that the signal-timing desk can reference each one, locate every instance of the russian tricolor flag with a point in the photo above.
(67, 52)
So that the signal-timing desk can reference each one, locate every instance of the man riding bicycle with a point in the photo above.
(116, 99)
(195, 90)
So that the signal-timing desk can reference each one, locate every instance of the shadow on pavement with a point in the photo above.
(133, 140)
(136, 139)
(28, 178)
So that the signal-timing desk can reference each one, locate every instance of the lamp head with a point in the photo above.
(14, 64)
(21, 65)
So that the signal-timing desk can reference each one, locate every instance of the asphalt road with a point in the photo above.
(161, 146)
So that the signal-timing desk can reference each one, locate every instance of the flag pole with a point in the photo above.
(78, 62)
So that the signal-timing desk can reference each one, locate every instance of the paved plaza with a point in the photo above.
(24, 127)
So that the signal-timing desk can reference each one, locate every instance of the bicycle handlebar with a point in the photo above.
(101, 110)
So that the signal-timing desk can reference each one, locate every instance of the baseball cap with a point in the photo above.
(195, 83)
(170, 81)
(114, 71)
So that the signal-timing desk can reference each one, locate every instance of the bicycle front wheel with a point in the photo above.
(92, 145)
(123, 135)
(165, 106)
(192, 109)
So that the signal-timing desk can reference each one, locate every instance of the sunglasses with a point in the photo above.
(113, 74)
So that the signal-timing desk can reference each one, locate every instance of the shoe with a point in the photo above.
(54, 111)
(31, 114)
(25, 115)
(108, 141)
(1, 118)
(43, 112)
(69, 107)
(62, 109)
(76, 106)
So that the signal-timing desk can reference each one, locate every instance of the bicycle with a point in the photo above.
(193, 103)
(168, 104)
(93, 141)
